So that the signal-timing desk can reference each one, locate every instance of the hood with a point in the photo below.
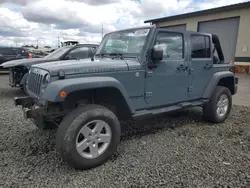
(25, 62)
(88, 66)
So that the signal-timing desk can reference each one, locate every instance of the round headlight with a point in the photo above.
(46, 79)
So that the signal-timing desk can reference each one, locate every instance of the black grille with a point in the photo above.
(34, 83)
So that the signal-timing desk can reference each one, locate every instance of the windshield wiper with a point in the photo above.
(101, 55)
(119, 55)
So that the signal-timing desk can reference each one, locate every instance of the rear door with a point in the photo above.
(20, 53)
(201, 64)
(7, 54)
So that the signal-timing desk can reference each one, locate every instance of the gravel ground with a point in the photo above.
(178, 150)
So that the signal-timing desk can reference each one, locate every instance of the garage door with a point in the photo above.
(227, 31)
(176, 27)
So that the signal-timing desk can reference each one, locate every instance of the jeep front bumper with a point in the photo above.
(29, 106)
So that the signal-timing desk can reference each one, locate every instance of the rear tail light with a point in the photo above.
(30, 56)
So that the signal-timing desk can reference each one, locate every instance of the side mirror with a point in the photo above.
(92, 55)
(157, 54)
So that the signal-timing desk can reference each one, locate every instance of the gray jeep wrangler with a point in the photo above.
(136, 73)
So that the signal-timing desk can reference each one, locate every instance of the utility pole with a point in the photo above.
(58, 41)
(102, 31)
(37, 43)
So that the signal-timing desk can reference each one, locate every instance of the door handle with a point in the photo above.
(208, 66)
(182, 67)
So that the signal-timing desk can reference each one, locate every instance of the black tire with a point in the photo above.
(44, 124)
(70, 127)
(210, 109)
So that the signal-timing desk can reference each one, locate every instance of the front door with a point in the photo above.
(201, 65)
(168, 82)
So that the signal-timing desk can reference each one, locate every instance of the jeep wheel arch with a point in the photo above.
(110, 97)
(84, 86)
(224, 78)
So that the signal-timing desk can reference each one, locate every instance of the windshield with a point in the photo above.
(129, 42)
(58, 52)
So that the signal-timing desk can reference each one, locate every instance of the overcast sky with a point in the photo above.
(26, 21)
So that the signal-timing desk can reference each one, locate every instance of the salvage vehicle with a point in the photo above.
(18, 69)
(136, 73)
(13, 53)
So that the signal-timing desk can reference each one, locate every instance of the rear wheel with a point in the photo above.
(219, 106)
(88, 136)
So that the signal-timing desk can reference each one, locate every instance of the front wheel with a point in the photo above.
(88, 136)
(219, 106)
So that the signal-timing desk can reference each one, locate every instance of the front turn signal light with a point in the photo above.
(63, 94)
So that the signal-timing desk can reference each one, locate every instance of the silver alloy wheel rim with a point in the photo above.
(93, 139)
(222, 105)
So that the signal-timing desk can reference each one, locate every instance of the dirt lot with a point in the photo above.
(178, 150)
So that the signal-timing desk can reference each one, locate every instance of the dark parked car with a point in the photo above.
(18, 69)
(13, 53)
